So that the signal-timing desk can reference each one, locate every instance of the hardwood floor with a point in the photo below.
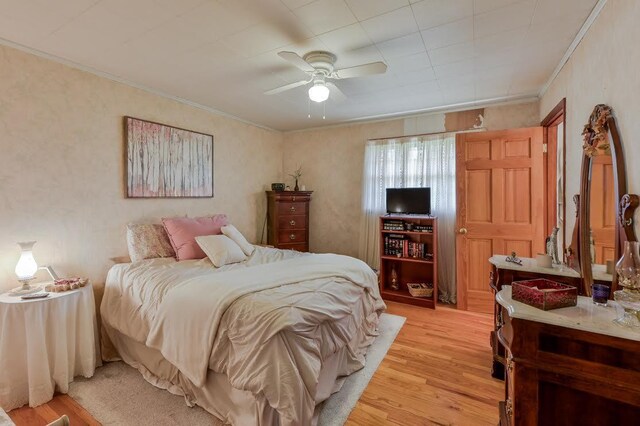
(436, 372)
(53, 410)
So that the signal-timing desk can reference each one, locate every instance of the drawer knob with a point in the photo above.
(292, 223)
(294, 198)
(293, 209)
(292, 236)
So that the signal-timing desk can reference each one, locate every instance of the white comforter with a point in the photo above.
(267, 323)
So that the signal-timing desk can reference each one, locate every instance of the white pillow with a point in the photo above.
(220, 249)
(237, 237)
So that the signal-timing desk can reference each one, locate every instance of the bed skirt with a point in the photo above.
(228, 404)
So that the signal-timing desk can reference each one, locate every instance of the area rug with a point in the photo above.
(118, 395)
(4, 419)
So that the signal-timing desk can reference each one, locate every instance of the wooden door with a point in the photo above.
(602, 211)
(500, 206)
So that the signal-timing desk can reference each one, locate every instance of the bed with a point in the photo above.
(261, 342)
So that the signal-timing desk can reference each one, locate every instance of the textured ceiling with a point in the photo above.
(223, 54)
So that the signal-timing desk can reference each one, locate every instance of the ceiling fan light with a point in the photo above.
(319, 92)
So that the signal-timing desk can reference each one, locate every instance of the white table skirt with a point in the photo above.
(44, 344)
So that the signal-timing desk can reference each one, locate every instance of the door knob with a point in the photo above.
(462, 230)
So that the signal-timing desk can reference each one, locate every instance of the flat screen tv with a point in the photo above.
(409, 200)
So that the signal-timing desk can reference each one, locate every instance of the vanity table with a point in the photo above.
(573, 366)
(569, 366)
(504, 273)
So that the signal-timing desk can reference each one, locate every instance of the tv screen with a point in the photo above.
(409, 200)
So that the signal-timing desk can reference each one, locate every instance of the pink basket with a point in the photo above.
(544, 294)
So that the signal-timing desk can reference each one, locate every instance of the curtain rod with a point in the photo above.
(426, 134)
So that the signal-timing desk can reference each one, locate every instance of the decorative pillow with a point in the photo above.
(221, 250)
(148, 241)
(182, 232)
(237, 237)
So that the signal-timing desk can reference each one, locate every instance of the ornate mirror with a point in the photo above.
(606, 210)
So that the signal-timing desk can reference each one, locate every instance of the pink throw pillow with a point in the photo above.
(183, 231)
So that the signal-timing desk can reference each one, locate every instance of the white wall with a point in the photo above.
(62, 166)
(603, 69)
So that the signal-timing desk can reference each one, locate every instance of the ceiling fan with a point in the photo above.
(319, 65)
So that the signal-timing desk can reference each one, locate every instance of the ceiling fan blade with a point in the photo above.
(335, 93)
(362, 70)
(296, 60)
(286, 87)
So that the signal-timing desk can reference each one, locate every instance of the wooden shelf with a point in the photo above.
(407, 232)
(403, 296)
(409, 269)
(407, 259)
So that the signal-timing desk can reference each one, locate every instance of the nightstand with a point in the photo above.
(44, 344)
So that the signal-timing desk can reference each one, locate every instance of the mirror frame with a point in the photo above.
(599, 131)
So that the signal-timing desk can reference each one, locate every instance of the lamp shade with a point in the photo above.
(319, 92)
(26, 267)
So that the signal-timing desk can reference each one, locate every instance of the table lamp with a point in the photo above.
(26, 268)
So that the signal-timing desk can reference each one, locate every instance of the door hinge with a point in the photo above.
(545, 148)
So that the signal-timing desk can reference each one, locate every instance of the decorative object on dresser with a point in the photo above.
(600, 294)
(277, 186)
(513, 259)
(48, 341)
(572, 366)
(552, 246)
(628, 270)
(297, 174)
(544, 294)
(408, 254)
(288, 219)
(167, 162)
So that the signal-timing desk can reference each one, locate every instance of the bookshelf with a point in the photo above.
(408, 250)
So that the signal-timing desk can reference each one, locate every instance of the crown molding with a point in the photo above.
(462, 106)
(595, 12)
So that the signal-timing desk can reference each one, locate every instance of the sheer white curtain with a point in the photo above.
(419, 161)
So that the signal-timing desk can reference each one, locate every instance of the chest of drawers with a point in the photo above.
(569, 366)
(288, 219)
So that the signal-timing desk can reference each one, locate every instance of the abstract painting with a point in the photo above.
(167, 162)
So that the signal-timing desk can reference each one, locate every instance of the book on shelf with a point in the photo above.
(395, 245)
(393, 225)
(423, 228)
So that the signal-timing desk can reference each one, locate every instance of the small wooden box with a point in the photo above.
(544, 294)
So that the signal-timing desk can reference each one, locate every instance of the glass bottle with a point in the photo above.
(628, 270)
